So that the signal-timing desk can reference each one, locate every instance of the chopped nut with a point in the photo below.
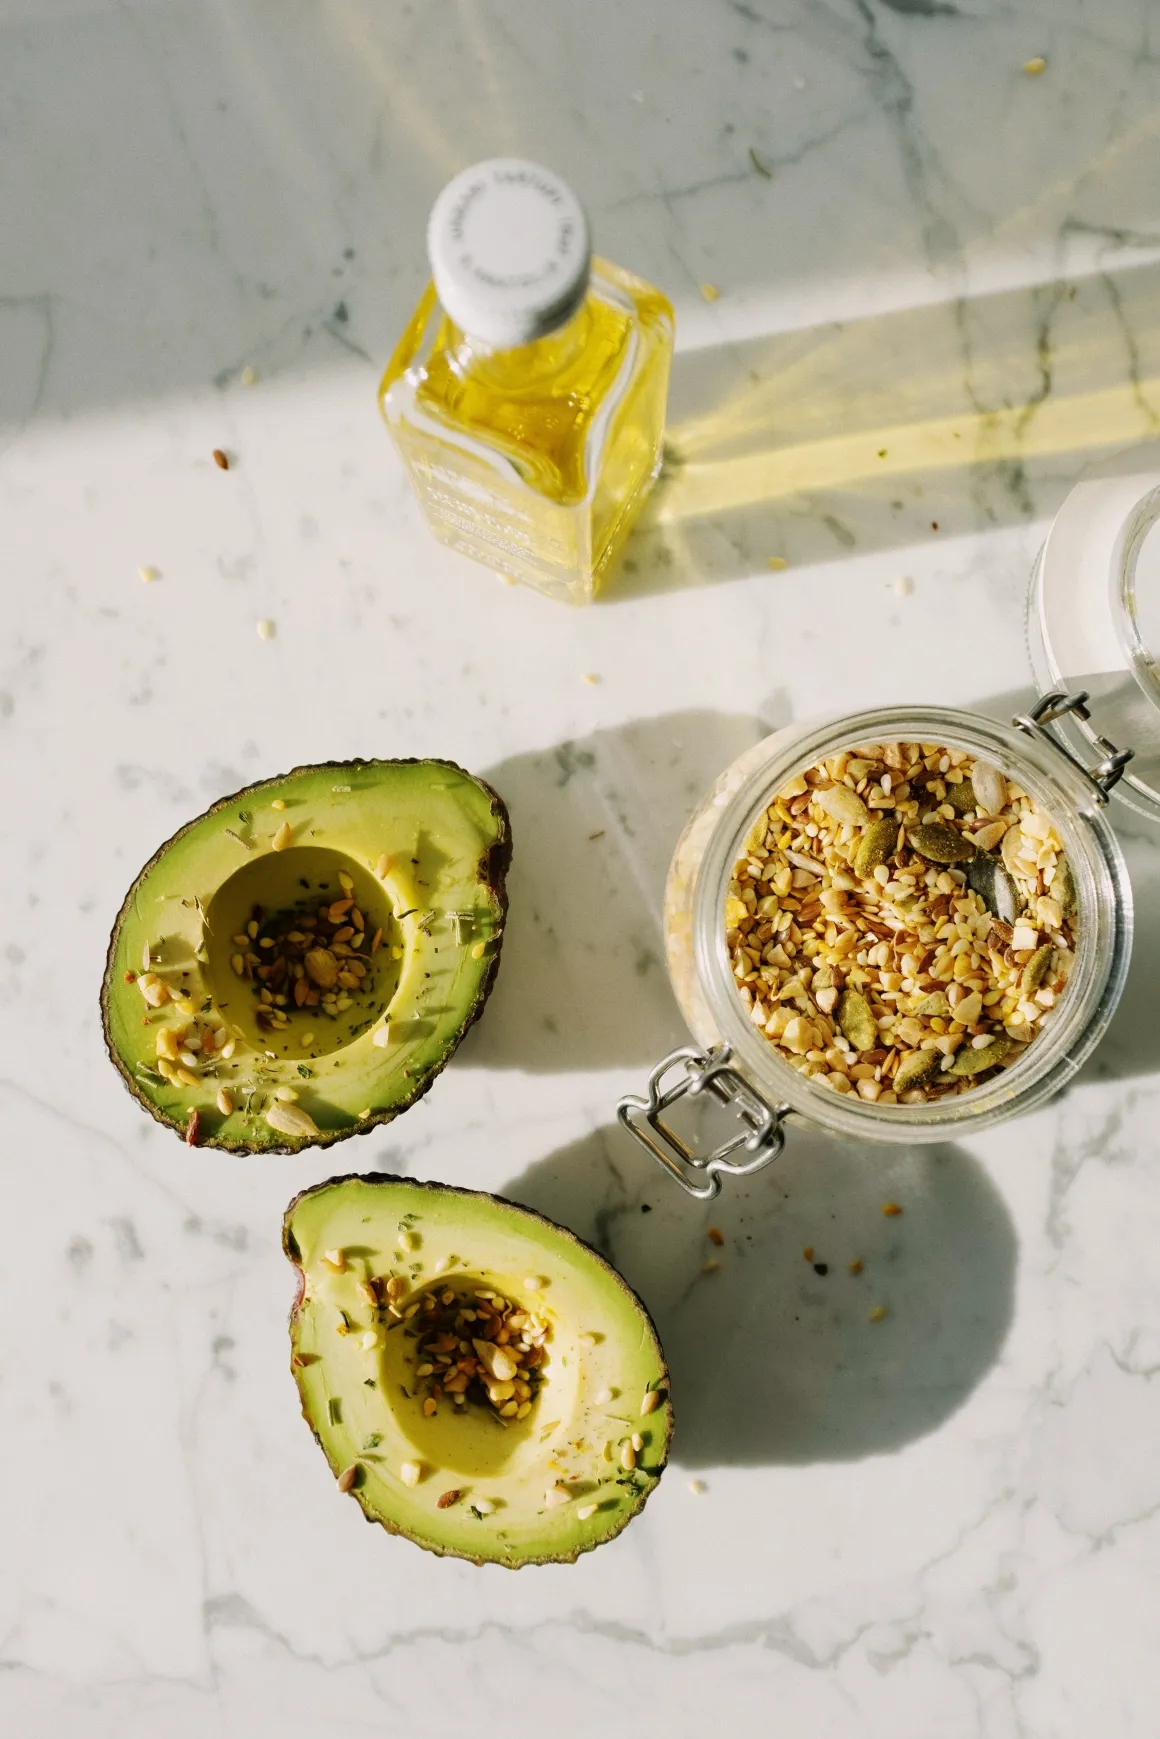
(556, 1495)
(411, 1472)
(586, 1511)
(283, 837)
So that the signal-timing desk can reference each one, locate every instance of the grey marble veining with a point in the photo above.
(937, 308)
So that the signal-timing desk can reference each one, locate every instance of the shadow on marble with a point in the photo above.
(896, 430)
(774, 1357)
(582, 983)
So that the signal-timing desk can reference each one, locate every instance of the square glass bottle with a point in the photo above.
(527, 394)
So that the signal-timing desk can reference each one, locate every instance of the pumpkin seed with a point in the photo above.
(1035, 970)
(940, 843)
(1063, 887)
(879, 842)
(961, 797)
(934, 1006)
(970, 1062)
(990, 788)
(856, 1019)
(988, 878)
(916, 1068)
(844, 805)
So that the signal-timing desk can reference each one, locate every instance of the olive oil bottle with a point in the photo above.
(527, 394)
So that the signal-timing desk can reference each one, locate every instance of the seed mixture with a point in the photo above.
(479, 1347)
(313, 957)
(902, 922)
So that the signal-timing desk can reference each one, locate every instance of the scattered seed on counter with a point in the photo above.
(148, 574)
(778, 564)
(711, 1266)
(697, 1487)
(878, 1314)
(902, 921)
(1035, 66)
(709, 292)
(250, 375)
(591, 678)
(891, 1209)
(855, 1267)
(903, 586)
(715, 1235)
(221, 459)
(265, 629)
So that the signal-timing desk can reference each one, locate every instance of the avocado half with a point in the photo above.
(297, 964)
(563, 1424)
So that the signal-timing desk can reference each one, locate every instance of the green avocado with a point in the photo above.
(410, 1294)
(298, 963)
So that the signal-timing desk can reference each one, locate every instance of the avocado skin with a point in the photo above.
(494, 868)
(377, 1181)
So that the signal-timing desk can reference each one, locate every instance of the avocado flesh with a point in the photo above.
(364, 1402)
(439, 902)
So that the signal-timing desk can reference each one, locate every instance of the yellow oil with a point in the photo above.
(535, 460)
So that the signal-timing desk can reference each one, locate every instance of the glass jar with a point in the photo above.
(527, 394)
(1093, 624)
(738, 1067)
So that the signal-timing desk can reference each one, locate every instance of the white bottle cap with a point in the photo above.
(509, 250)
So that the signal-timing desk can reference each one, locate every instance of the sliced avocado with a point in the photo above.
(299, 963)
(380, 1344)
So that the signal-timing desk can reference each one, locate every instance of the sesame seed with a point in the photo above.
(709, 292)
(265, 629)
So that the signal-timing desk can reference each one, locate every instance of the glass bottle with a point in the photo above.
(527, 394)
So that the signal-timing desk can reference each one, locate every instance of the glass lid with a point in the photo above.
(1094, 624)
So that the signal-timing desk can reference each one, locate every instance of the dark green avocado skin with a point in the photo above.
(493, 874)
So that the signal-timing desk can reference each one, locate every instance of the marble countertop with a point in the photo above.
(947, 1523)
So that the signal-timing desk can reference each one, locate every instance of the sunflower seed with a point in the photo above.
(987, 877)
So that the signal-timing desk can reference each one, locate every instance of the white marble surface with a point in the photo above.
(946, 1524)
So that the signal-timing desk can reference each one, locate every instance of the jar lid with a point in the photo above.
(509, 250)
(1094, 623)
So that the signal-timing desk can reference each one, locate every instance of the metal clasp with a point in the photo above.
(693, 1072)
(1037, 723)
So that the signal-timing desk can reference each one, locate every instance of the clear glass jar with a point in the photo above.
(740, 1067)
(527, 395)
